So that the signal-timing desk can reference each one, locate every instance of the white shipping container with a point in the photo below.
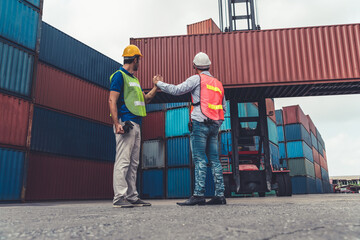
(153, 154)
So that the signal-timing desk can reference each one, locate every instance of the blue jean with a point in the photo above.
(204, 143)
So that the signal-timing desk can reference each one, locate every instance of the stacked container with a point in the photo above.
(19, 44)
(72, 145)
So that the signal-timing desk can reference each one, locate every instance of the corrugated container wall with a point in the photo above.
(153, 126)
(53, 177)
(311, 125)
(178, 183)
(14, 120)
(281, 56)
(34, 2)
(53, 132)
(19, 22)
(153, 154)
(153, 183)
(11, 174)
(72, 56)
(61, 91)
(294, 114)
(178, 151)
(206, 26)
(176, 122)
(16, 69)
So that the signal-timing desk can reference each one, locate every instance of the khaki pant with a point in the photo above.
(126, 163)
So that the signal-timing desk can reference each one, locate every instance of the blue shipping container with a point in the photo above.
(61, 134)
(303, 185)
(280, 130)
(177, 122)
(314, 141)
(74, 57)
(272, 130)
(154, 107)
(11, 174)
(282, 150)
(324, 175)
(176, 105)
(178, 183)
(153, 183)
(274, 156)
(279, 117)
(225, 143)
(252, 110)
(226, 125)
(297, 132)
(178, 151)
(319, 186)
(16, 69)
(19, 23)
(299, 149)
(34, 2)
(209, 183)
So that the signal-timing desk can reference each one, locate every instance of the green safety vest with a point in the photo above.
(133, 96)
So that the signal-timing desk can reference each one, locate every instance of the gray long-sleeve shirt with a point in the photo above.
(192, 84)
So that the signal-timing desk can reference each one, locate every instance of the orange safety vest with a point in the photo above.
(211, 97)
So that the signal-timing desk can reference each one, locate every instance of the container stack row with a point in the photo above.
(302, 146)
(20, 23)
(63, 128)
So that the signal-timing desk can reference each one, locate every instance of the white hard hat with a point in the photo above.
(202, 61)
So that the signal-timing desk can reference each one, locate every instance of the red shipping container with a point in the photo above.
(311, 125)
(206, 26)
(316, 155)
(51, 177)
(270, 107)
(323, 163)
(61, 91)
(276, 57)
(294, 114)
(153, 126)
(317, 170)
(324, 154)
(14, 120)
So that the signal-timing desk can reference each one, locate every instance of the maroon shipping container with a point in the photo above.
(257, 58)
(14, 120)
(270, 107)
(61, 91)
(51, 177)
(153, 126)
(316, 155)
(294, 114)
(311, 125)
(206, 26)
(323, 163)
(317, 170)
(324, 154)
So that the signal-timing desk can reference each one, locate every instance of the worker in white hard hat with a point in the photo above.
(207, 115)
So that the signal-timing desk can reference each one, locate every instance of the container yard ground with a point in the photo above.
(327, 216)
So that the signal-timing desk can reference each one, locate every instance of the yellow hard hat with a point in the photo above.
(131, 51)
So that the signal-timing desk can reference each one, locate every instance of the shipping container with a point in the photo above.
(316, 156)
(314, 141)
(282, 150)
(275, 156)
(14, 120)
(206, 26)
(178, 151)
(225, 143)
(68, 54)
(226, 125)
(153, 126)
(324, 175)
(11, 174)
(323, 163)
(303, 185)
(272, 131)
(153, 183)
(301, 167)
(155, 107)
(297, 132)
(281, 136)
(61, 91)
(176, 105)
(177, 122)
(178, 183)
(270, 109)
(320, 139)
(317, 170)
(153, 154)
(281, 56)
(209, 183)
(19, 23)
(319, 186)
(56, 133)
(311, 125)
(299, 149)
(51, 177)
(279, 117)
(294, 114)
(16, 69)
(321, 149)
(36, 3)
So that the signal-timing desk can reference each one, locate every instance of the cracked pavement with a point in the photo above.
(326, 216)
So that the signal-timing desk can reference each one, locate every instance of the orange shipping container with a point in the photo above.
(294, 114)
(311, 125)
(316, 155)
(206, 26)
(317, 170)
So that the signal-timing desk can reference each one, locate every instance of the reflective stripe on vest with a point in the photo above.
(211, 97)
(133, 95)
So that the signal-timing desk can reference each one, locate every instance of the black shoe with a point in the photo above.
(216, 201)
(193, 200)
(140, 203)
(122, 203)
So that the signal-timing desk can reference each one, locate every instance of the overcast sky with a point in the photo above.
(108, 25)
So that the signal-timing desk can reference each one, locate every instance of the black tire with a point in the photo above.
(261, 194)
(280, 180)
(288, 184)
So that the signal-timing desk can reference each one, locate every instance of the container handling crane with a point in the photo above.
(251, 169)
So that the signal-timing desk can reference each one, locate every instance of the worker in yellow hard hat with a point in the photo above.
(127, 107)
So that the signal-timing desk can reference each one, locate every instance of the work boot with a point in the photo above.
(122, 203)
(216, 201)
(193, 200)
(140, 203)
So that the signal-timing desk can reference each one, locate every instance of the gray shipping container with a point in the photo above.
(153, 154)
